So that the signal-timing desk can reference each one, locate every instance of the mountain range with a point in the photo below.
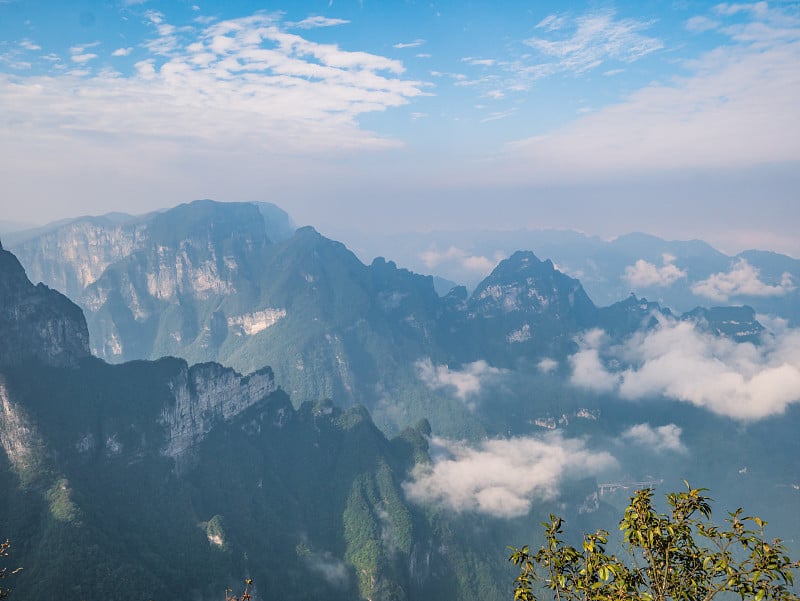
(236, 284)
(388, 440)
(676, 273)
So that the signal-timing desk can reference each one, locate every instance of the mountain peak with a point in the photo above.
(37, 322)
(524, 282)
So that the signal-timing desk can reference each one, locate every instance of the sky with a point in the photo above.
(680, 119)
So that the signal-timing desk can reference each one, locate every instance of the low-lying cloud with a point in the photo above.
(547, 365)
(742, 280)
(588, 369)
(454, 256)
(333, 570)
(659, 439)
(675, 360)
(502, 477)
(644, 274)
(465, 384)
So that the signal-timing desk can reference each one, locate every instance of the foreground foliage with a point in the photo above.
(678, 555)
(245, 596)
(5, 548)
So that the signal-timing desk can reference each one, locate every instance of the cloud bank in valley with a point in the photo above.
(465, 384)
(676, 360)
(659, 439)
(502, 477)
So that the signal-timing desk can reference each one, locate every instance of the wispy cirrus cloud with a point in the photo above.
(736, 107)
(245, 80)
(742, 280)
(480, 62)
(590, 40)
(213, 110)
(501, 478)
(316, 21)
(701, 23)
(413, 44)
(564, 44)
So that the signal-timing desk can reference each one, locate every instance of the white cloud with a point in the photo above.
(700, 24)
(82, 48)
(643, 274)
(465, 384)
(154, 16)
(659, 439)
(122, 52)
(737, 107)
(433, 257)
(597, 38)
(333, 570)
(758, 8)
(564, 44)
(496, 116)
(552, 23)
(742, 280)
(317, 21)
(479, 62)
(415, 44)
(479, 264)
(588, 370)
(83, 58)
(30, 45)
(242, 84)
(501, 478)
(677, 361)
(547, 365)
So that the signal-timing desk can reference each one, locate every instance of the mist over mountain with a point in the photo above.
(388, 442)
(157, 479)
(678, 274)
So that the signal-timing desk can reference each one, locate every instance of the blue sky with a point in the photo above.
(679, 119)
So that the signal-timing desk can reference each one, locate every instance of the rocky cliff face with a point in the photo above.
(149, 284)
(737, 323)
(525, 285)
(18, 436)
(524, 308)
(208, 394)
(71, 257)
(37, 322)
